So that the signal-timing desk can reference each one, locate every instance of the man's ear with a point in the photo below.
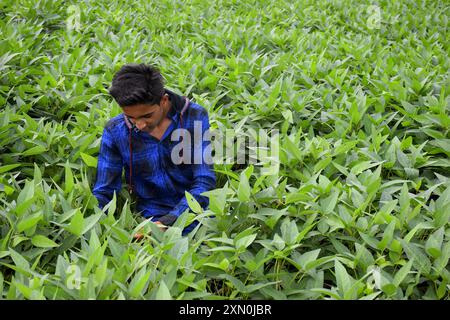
(165, 99)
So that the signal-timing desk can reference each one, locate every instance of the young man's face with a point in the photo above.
(146, 116)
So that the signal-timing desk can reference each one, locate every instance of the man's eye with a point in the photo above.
(148, 116)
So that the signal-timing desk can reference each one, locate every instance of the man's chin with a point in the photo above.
(148, 129)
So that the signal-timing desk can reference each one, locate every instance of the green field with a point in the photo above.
(359, 92)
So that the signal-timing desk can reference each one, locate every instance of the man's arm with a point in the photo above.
(204, 179)
(109, 170)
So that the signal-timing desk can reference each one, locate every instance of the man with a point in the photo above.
(140, 140)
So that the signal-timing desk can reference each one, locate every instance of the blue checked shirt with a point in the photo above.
(158, 183)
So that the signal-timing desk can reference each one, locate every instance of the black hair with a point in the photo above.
(137, 84)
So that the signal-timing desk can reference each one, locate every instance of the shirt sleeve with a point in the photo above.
(109, 170)
(204, 178)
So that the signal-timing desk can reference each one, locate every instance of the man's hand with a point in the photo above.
(167, 220)
(140, 235)
(161, 226)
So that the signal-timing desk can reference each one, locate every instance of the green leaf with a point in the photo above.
(234, 281)
(403, 159)
(306, 258)
(18, 240)
(110, 207)
(43, 242)
(19, 261)
(171, 276)
(443, 144)
(33, 151)
(382, 216)
(192, 202)
(89, 160)
(9, 167)
(101, 272)
(442, 262)
(25, 198)
(294, 197)
(253, 287)
(138, 283)
(224, 264)
(67, 215)
(278, 242)
(434, 243)
(244, 242)
(217, 199)
(363, 256)
(289, 231)
(355, 115)
(37, 177)
(415, 252)
(76, 224)
(322, 164)
(442, 290)
(404, 199)
(326, 292)
(29, 221)
(318, 262)
(442, 214)
(287, 114)
(7, 189)
(328, 204)
(26, 291)
(419, 226)
(389, 289)
(361, 166)
(343, 280)
(90, 221)
(292, 148)
(387, 236)
(69, 184)
(345, 147)
(243, 191)
(273, 215)
(163, 292)
(402, 273)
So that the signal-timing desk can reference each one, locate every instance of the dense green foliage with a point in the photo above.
(360, 208)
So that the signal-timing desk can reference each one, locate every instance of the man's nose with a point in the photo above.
(140, 124)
